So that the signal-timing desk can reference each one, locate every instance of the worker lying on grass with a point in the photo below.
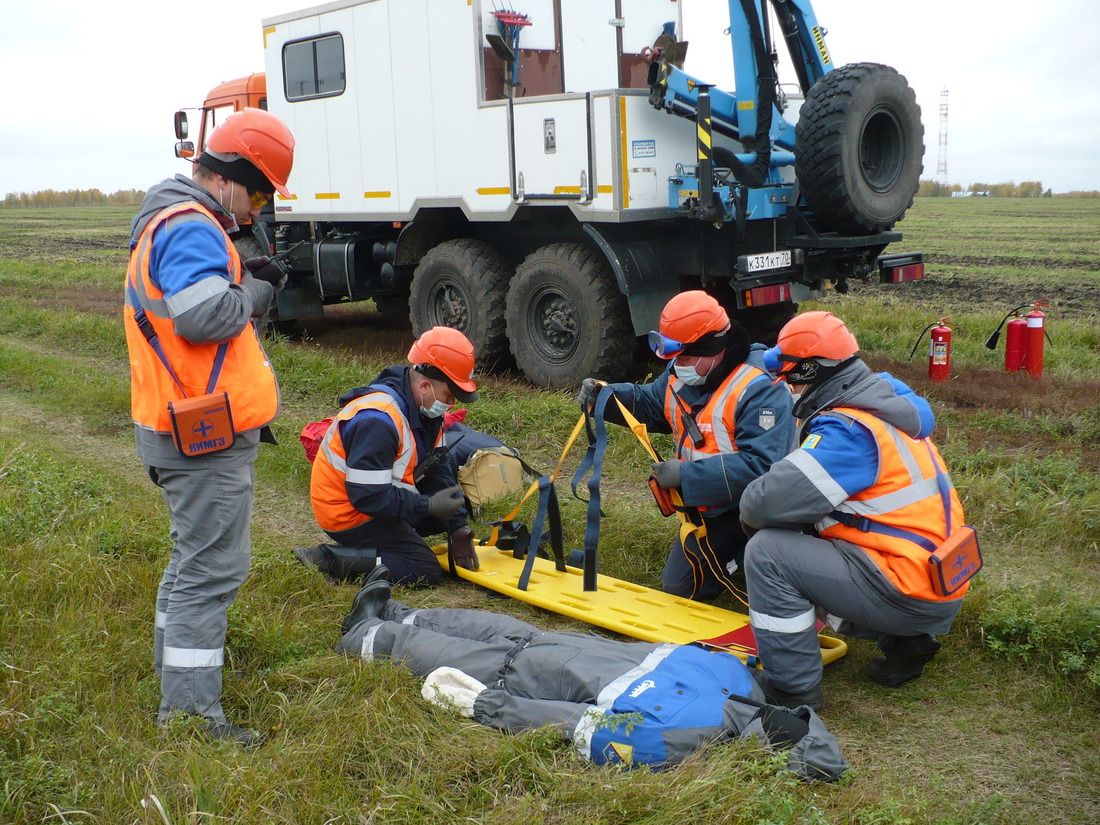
(376, 488)
(729, 425)
(619, 702)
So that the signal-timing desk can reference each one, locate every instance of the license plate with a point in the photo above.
(768, 260)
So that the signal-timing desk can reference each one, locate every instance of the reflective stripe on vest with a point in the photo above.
(246, 376)
(716, 419)
(328, 490)
(906, 496)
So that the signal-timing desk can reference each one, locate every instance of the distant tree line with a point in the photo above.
(1026, 189)
(71, 197)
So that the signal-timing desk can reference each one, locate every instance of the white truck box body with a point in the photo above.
(413, 127)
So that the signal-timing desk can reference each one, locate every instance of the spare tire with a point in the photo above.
(859, 148)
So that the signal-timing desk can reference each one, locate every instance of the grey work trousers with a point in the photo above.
(792, 578)
(210, 507)
(533, 678)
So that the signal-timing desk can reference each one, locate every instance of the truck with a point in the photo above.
(546, 177)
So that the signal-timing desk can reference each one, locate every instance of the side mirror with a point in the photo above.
(185, 149)
(180, 122)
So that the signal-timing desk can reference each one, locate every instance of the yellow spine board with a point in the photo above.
(623, 607)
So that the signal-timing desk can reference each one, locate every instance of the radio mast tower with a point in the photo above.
(941, 166)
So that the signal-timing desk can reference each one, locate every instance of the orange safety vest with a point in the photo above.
(715, 420)
(907, 497)
(246, 374)
(331, 474)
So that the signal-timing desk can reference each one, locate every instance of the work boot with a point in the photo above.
(811, 698)
(903, 659)
(369, 603)
(380, 573)
(226, 732)
(312, 557)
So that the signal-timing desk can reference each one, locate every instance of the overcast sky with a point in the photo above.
(90, 87)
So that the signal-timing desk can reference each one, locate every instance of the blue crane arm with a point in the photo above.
(735, 115)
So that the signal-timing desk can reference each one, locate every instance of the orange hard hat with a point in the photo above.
(687, 318)
(262, 139)
(452, 354)
(815, 334)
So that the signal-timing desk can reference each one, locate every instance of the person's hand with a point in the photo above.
(261, 293)
(446, 502)
(590, 388)
(272, 270)
(667, 473)
(449, 687)
(462, 548)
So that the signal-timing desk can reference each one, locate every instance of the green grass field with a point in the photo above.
(1002, 729)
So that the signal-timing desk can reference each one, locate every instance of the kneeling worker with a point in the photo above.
(848, 521)
(366, 489)
(729, 424)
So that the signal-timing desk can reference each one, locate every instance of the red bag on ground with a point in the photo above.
(312, 435)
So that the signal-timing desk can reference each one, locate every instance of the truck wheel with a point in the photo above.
(858, 148)
(462, 284)
(567, 319)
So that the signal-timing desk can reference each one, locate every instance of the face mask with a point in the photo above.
(688, 375)
(436, 409)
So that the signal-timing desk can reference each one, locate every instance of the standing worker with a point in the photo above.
(877, 495)
(371, 488)
(188, 320)
(728, 421)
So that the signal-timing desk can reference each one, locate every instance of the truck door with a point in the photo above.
(551, 141)
(551, 148)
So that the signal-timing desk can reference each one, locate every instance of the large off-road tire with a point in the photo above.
(567, 319)
(462, 283)
(859, 147)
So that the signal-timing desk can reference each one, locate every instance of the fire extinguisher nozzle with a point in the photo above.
(991, 342)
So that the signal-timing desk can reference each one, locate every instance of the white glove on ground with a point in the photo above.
(449, 687)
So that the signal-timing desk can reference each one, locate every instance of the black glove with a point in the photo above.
(590, 388)
(272, 270)
(462, 548)
(446, 502)
(667, 473)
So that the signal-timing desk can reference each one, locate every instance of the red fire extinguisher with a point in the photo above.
(1033, 340)
(939, 350)
(1023, 339)
(1015, 343)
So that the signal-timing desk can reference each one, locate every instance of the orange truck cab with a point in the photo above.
(223, 100)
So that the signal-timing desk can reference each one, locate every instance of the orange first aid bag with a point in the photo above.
(956, 561)
(202, 424)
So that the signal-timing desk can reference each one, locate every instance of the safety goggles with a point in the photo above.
(259, 199)
(711, 343)
(789, 368)
(663, 346)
